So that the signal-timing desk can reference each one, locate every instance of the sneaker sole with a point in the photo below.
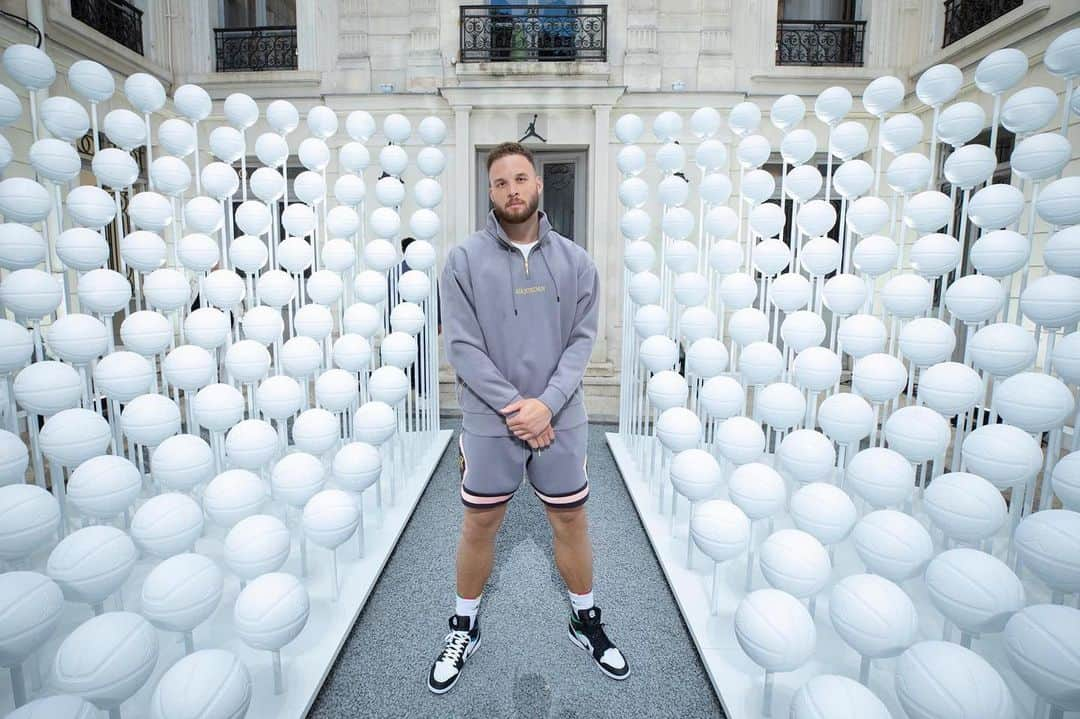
(579, 645)
(468, 653)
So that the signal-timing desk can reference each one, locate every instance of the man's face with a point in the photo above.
(514, 189)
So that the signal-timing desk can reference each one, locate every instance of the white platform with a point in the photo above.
(737, 680)
(307, 660)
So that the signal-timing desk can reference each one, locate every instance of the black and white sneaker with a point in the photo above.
(587, 631)
(460, 643)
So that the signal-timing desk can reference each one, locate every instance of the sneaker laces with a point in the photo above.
(456, 642)
(594, 630)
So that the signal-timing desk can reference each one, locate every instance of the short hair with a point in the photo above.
(406, 241)
(509, 148)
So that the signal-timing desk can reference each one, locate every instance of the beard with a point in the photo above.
(519, 213)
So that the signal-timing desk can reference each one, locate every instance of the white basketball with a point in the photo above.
(950, 388)
(824, 511)
(775, 630)
(1057, 202)
(1033, 401)
(398, 349)
(861, 335)
(301, 356)
(357, 466)
(804, 181)
(738, 290)
(760, 363)
(77, 338)
(224, 289)
(867, 215)
(167, 524)
(282, 116)
(316, 431)
(873, 616)
(918, 433)
(926, 341)
(82, 249)
(757, 489)
(907, 295)
(1066, 480)
(1041, 645)
(936, 679)
(45, 388)
(103, 291)
(1062, 251)
(678, 428)
(928, 211)
(1048, 543)
(817, 368)
(56, 706)
(207, 684)
(771, 256)
(233, 495)
(297, 477)
(1003, 455)
(251, 444)
(271, 611)
(706, 358)
(87, 205)
(780, 405)
(909, 172)
(965, 506)
(256, 545)
(1040, 157)
(831, 696)
(719, 529)
(29, 518)
(722, 397)
(91, 80)
(107, 659)
(995, 206)
(892, 544)
(374, 423)
(388, 384)
(336, 389)
(695, 474)
(182, 462)
(30, 609)
(882, 477)
(189, 367)
(407, 317)
(330, 517)
(795, 562)
(92, 563)
(72, 436)
(1052, 301)
(1002, 349)
(797, 147)
(208, 328)
(352, 352)
(324, 287)
(740, 440)
(659, 353)
(32, 293)
(820, 256)
(104, 486)
(844, 294)
(339, 255)
(974, 590)
(278, 397)
(247, 361)
(748, 325)
(176, 137)
(697, 323)
(807, 455)
(879, 377)
(14, 459)
(165, 290)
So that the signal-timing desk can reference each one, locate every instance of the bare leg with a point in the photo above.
(476, 549)
(573, 550)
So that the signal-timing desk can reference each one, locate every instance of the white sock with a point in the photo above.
(468, 608)
(581, 601)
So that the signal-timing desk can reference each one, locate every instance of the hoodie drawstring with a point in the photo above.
(550, 273)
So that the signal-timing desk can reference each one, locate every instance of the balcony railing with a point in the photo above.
(245, 49)
(963, 17)
(509, 33)
(820, 42)
(115, 19)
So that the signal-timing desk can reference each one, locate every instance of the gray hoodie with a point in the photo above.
(517, 328)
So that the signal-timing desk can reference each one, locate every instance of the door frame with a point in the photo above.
(578, 155)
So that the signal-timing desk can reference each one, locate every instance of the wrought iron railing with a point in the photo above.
(241, 49)
(506, 33)
(115, 19)
(820, 42)
(963, 17)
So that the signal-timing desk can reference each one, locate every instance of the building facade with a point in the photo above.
(564, 71)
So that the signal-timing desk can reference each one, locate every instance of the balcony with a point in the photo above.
(116, 19)
(533, 33)
(963, 17)
(255, 49)
(820, 42)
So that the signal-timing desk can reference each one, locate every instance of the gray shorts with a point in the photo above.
(492, 469)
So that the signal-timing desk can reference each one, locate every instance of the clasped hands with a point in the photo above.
(531, 422)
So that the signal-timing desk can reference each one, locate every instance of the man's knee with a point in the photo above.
(567, 522)
(482, 524)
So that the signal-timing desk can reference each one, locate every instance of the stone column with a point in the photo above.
(641, 66)
(600, 234)
(463, 173)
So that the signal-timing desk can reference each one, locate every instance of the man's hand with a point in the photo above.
(544, 439)
(532, 417)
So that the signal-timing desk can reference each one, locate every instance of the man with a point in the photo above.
(521, 304)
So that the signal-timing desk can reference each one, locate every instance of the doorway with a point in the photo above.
(564, 195)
